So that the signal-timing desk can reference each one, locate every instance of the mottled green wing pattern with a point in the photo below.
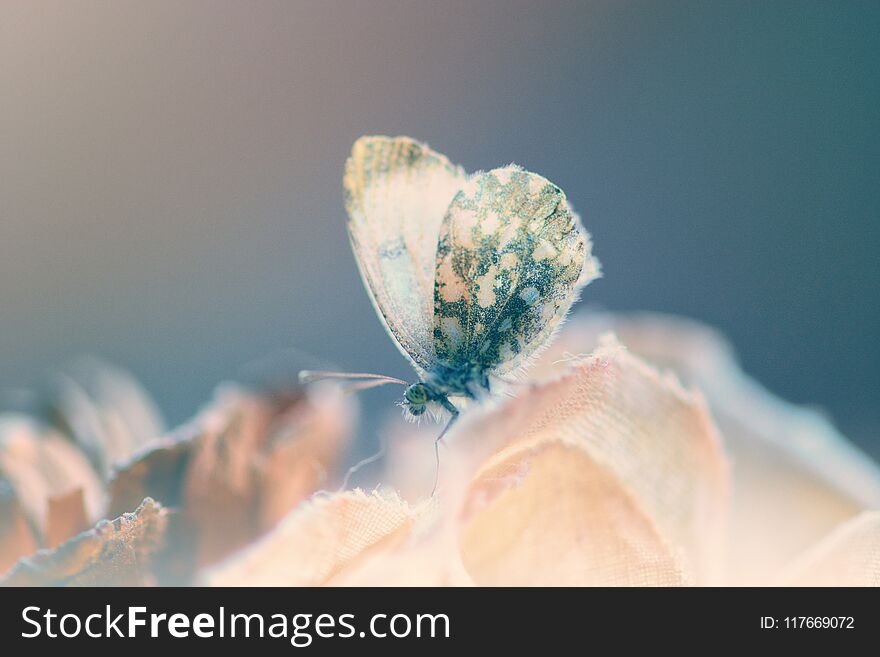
(397, 191)
(510, 261)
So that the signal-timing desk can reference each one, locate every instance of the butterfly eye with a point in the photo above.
(417, 395)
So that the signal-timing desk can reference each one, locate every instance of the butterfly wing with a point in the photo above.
(511, 259)
(397, 191)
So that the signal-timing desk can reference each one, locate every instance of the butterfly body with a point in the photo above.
(469, 381)
(470, 274)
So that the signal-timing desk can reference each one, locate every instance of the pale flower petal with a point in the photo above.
(849, 556)
(66, 517)
(795, 478)
(611, 474)
(117, 553)
(17, 537)
(40, 464)
(563, 520)
(238, 467)
(104, 410)
(609, 459)
(320, 541)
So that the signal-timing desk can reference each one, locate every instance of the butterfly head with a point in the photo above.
(427, 397)
(416, 399)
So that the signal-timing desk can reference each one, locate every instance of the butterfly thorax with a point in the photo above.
(469, 381)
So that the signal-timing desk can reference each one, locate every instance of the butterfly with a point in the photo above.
(471, 275)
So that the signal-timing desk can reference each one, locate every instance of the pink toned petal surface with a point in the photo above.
(116, 553)
(17, 536)
(795, 478)
(609, 454)
(238, 467)
(40, 464)
(848, 556)
(320, 541)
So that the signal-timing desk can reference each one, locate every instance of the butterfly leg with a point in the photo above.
(383, 447)
(484, 381)
(448, 426)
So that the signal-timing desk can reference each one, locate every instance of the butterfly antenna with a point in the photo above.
(365, 385)
(437, 451)
(311, 376)
(383, 448)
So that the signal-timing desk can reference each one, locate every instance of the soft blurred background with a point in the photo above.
(170, 175)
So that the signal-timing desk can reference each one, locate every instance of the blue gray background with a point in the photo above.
(170, 192)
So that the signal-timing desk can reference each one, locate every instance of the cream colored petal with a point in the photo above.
(795, 478)
(304, 447)
(610, 474)
(66, 517)
(117, 553)
(258, 462)
(104, 411)
(561, 519)
(239, 466)
(427, 556)
(221, 481)
(40, 464)
(17, 536)
(320, 541)
(849, 556)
